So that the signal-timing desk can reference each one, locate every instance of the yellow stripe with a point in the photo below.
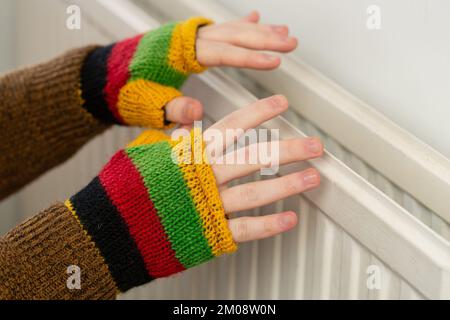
(69, 206)
(148, 137)
(141, 103)
(200, 179)
(201, 182)
(182, 52)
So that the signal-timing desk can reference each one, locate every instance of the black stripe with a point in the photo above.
(107, 228)
(93, 81)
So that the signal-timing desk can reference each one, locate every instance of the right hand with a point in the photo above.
(256, 194)
(165, 216)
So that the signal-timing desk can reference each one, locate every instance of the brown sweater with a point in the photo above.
(144, 216)
(42, 125)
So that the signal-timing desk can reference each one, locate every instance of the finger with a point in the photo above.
(289, 151)
(243, 119)
(252, 17)
(142, 103)
(259, 193)
(282, 30)
(214, 53)
(251, 36)
(184, 110)
(253, 228)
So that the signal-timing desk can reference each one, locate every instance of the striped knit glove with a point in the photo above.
(152, 211)
(130, 82)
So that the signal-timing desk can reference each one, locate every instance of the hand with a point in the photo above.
(137, 81)
(255, 194)
(165, 214)
(233, 44)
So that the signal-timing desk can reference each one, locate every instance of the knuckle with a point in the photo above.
(291, 148)
(293, 183)
(229, 122)
(243, 38)
(221, 126)
(250, 58)
(242, 230)
(249, 194)
(268, 227)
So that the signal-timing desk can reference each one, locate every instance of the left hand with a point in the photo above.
(233, 44)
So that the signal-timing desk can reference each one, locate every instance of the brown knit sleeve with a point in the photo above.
(42, 122)
(36, 255)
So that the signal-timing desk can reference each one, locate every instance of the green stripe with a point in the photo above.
(171, 197)
(150, 61)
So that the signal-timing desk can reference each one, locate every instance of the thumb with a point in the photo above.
(142, 103)
(184, 110)
(252, 17)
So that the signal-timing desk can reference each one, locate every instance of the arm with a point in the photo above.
(50, 110)
(138, 220)
(146, 216)
(40, 112)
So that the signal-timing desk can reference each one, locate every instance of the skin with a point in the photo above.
(239, 44)
(234, 44)
(259, 193)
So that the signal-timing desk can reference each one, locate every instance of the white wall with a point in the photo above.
(6, 63)
(403, 69)
(6, 34)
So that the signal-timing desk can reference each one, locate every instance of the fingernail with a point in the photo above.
(314, 146)
(286, 221)
(288, 39)
(280, 29)
(269, 57)
(280, 101)
(310, 178)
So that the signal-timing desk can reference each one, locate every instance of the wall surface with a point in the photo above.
(6, 34)
(402, 69)
(7, 61)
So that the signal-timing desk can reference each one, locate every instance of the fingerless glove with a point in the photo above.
(130, 82)
(154, 210)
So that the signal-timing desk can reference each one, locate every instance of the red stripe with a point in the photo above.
(125, 187)
(118, 71)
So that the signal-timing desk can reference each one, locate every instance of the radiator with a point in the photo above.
(382, 210)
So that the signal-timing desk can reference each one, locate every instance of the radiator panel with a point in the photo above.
(404, 199)
(413, 206)
(317, 260)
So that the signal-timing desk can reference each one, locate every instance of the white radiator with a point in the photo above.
(358, 225)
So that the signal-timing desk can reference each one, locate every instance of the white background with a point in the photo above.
(6, 34)
(403, 69)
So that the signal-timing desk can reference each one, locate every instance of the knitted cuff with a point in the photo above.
(41, 122)
(152, 215)
(164, 57)
(35, 257)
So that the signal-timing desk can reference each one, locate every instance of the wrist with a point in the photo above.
(151, 217)
(160, 59)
